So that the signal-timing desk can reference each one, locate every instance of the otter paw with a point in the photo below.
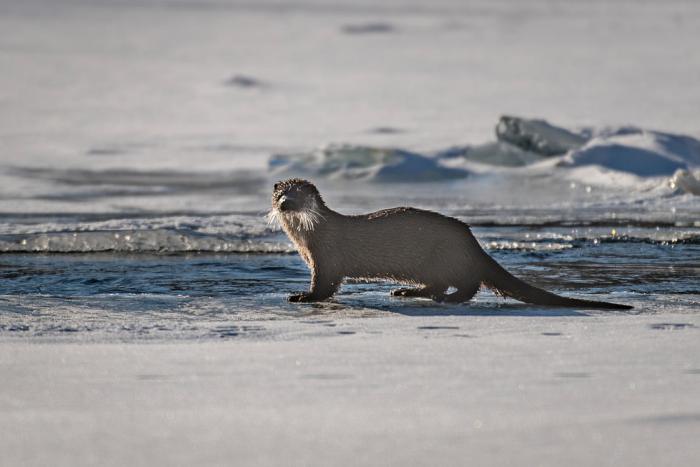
(403, 292)
(300, 297)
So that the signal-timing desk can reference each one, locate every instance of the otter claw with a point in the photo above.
(421, 293)
(438, 298)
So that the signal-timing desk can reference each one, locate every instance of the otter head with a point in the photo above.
(296, 204)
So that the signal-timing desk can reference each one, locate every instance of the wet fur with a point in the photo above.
(425, 249)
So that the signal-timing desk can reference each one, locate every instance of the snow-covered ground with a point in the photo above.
(491, 389)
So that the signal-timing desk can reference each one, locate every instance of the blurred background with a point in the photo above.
(151, 86)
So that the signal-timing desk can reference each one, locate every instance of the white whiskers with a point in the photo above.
(273, 217)
(304, 219)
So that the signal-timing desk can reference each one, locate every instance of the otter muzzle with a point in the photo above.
(286, 203)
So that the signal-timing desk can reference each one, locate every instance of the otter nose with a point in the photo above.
(285, 203)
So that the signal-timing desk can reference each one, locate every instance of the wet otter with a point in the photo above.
(411, 246)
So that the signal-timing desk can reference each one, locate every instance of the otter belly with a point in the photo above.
(406, 252)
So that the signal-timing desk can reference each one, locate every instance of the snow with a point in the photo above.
(642, 153)
(363, 163)
(508, 387)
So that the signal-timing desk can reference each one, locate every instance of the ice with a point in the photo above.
(140, 241)
(522, 142)
(537, 136)
(498, 153)
(685, 181)
(627, 149)
(227, 233)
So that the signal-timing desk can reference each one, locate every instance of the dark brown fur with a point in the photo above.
(406, 245)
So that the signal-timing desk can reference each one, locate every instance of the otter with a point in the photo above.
(425, 249)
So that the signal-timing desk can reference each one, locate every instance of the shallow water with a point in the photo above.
(205, 295)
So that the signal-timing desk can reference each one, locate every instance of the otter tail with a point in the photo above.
(506, 284)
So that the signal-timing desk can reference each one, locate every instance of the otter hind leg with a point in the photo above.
(463, 294)
(409, 292)
(432, 292)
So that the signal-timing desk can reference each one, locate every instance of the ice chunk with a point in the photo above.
(686, 182)
(496, 153)
(364, 162)
(537, 136)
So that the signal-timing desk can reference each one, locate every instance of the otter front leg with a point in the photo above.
(323, 286)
